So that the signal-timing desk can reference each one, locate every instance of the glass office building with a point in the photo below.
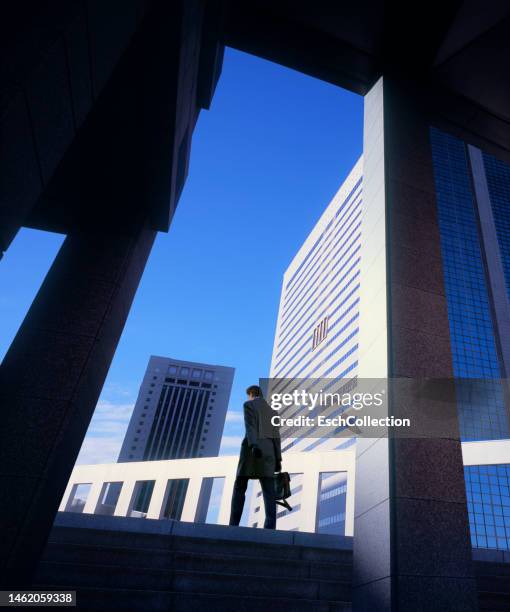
(473, 200)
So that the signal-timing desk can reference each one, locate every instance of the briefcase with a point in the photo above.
(282, 489)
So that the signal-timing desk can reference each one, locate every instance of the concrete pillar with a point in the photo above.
(51, 378)
(93, 497)
(226, 499)
(411, 540)
(158, 499)
(349, 499)
(309, 500)
(189, 510)
(126, 498)
(64, 502)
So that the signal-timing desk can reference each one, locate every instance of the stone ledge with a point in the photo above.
(201, 530)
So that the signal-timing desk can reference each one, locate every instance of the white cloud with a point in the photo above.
(99, 450)
(113, 389)
(230, 445)
(109, 424)
(234, 417)
(105, 433)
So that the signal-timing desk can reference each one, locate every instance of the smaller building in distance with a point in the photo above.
(180, 411)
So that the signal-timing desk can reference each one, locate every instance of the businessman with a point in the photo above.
(260, 457)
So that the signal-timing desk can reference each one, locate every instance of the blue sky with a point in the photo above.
(265, 162)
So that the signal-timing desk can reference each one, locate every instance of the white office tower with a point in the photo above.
(317, 337)
(180, 411)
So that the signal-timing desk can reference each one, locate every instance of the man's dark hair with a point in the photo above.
(254, 390)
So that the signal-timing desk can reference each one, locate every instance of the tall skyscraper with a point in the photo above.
(318, 319)
(180, 411)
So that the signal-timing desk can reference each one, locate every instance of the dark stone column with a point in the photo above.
(412, 549)
(51, 378)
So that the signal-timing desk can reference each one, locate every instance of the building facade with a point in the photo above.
(317, 338)
(473, 198)
(180, 411)
(87, 489)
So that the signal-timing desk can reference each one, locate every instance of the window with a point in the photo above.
(286, 512)
(488, 501)
(208, 375)
(110, 492)
(331, 503)
(196, 374)
(184, 372)
(78, 497)
(141, 498)
(172, 370)
(320, 332)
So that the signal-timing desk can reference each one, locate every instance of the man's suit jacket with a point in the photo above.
(262, 433)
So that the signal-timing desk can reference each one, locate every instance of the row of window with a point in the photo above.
(186, 371)
(325, 269)
(334, 292)
(303, 338)
(473, 345)
(299, 270)
(325, 263)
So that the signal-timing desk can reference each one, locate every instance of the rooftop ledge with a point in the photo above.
(224, 532)
(201, 530)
